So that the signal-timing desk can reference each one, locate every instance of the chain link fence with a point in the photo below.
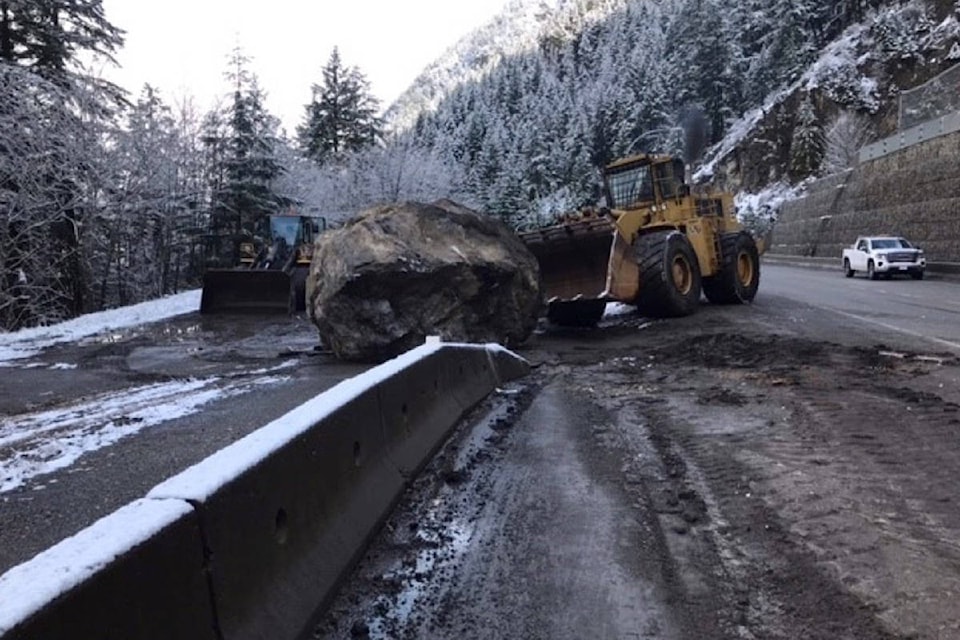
(926, 112)
(933, 99)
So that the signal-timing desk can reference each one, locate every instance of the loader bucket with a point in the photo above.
(245, 291)
(574, 257)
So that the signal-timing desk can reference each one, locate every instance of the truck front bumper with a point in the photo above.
(883, 266)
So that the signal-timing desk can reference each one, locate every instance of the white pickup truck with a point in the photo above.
(883, 255)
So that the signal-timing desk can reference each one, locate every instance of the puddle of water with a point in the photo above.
(178, 331)
(481, 433)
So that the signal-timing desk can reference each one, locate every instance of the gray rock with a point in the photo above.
(398, 273)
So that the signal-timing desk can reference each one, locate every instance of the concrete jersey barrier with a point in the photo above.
(249, 542)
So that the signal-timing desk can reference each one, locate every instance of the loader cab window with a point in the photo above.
(285, 228)
(669, 177)
(629, 187)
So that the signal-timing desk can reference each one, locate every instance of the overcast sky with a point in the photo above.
(181, 46)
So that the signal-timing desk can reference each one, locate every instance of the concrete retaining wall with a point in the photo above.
(914, 192)
(248, 543)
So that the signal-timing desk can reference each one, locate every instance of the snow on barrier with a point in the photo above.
(264, 529)
(136, 573)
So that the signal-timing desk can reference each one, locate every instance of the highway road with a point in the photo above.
(761, 471)
(924, 313)
(780, 470)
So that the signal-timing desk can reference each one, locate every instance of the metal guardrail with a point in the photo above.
(928, 130)
(927, 111)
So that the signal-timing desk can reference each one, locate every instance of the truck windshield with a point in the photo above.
(630, 186)
(891, 243)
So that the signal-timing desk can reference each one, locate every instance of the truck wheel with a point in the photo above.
(871, 273)
(739, 275)
(669, 274)
(847, 271)
(917, 275)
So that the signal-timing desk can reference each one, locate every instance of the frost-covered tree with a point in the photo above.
(701, 56)
(241, 140)
(341, 116)
(54, 177)
(845, 135)
(807, 144)
(51, 171)
(899, 31)
(141, 242)
(45, 36)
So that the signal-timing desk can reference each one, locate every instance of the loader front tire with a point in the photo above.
(669, 275)
(739, 275)
(298, 289)
(576, 313)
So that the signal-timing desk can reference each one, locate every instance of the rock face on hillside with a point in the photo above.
(396, 274)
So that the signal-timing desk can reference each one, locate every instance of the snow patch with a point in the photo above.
(54, 439)
(26, 343)
(203, 479)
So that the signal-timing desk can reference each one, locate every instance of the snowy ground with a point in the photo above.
(36, 443)
(21, 345)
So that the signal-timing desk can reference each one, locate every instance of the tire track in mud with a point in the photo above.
(771, 487)
(554, 547)
(806, 500)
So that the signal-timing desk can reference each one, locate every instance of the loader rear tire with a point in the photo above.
(739, 275)
(669, 275)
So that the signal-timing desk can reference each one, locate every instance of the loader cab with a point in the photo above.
(639, 181)
(295, 230)
(296, 233)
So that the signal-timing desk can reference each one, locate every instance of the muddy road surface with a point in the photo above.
(777, 471)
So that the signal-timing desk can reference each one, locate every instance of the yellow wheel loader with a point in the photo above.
(271, 277)
(657, 244)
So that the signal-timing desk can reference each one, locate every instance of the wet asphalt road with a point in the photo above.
(924, 313)
(271, 365)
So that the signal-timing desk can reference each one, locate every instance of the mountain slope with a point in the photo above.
(518, 28)
(529, 106)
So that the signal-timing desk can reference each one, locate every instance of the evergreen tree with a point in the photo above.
(140, 238)
(46, 35)
(342, 114)
(702, 59)
(242, 143)
(807, 145)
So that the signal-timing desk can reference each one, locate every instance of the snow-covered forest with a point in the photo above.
(108, 199)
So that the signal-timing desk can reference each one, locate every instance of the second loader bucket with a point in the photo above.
(245, 291)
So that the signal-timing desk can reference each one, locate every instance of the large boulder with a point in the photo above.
(398, 273)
